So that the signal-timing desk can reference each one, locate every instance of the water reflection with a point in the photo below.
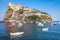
(32, 32)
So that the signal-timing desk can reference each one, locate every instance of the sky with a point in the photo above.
(51, 7)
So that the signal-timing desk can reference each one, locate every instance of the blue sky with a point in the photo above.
(50, 6)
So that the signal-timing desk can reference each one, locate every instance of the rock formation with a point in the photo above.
(20, 13)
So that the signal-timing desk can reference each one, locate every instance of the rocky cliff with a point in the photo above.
(20, 13)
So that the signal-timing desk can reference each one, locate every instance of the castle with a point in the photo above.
(18, 12)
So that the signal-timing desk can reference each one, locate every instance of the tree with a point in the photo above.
(10, 9)
(33, 17)
(10, 16)
(44, 12)
(21, 11)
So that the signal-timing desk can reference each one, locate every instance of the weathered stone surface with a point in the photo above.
(17, 12)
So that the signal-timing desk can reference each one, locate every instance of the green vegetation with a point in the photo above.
(44, 18)
(21, 11)
(19, 14)
(10, 15)
(44, 12)
(34, 17)
(37, 18)
(10, 9)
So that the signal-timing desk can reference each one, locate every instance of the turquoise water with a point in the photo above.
(32, 32)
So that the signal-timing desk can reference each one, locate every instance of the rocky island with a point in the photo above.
(20, 13)
(20, 19)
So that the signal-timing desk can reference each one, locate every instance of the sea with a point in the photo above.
(32, 32)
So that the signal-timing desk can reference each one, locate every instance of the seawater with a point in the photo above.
(32, 32)
(3, 31)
